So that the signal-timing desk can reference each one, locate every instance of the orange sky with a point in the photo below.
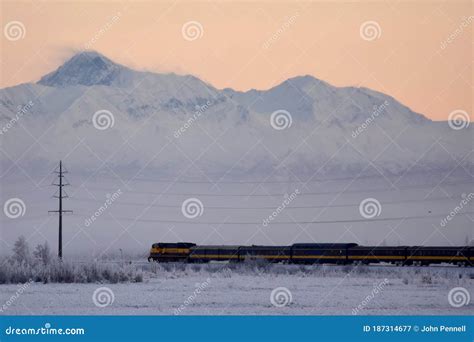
(259, 44)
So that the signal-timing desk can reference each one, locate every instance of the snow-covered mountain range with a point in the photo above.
(92, 111)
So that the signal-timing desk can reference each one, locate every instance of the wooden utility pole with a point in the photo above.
(60, 211)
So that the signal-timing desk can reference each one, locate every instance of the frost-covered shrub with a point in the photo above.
(196, 267)
(173, 267)
(12, 271)
(21, 251)
(426, 279)
(42, 253)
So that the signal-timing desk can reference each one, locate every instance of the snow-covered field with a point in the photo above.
(220, 289)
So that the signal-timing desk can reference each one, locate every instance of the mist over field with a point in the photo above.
(110, 214)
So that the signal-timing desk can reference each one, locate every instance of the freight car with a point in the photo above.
(314, 253)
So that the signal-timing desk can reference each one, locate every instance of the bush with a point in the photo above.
(21, 250)
(14, 272)
(426, 279)
(42, 253)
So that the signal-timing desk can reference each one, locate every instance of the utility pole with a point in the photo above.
(61, 194)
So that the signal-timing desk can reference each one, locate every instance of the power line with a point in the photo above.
(282, 194)
(263, 181)
(145, 204)
(60, 210)
(287, 223)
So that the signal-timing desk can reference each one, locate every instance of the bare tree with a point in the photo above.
(21, 250)
(43, 253)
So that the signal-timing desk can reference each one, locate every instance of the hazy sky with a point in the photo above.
(420, 53)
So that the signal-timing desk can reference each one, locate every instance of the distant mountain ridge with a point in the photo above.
(221, 129)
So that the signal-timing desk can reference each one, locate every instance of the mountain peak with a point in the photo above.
(90, 55)
(306, 80)
(85, 68)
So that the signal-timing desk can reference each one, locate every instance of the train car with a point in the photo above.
(214, 253)
(167, 252)
(377, 254)
(267, 253)
(310, 253)
(420, 255)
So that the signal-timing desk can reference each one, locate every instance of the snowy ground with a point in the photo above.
(323, 290)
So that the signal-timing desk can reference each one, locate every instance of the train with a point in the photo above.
(314, 253)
